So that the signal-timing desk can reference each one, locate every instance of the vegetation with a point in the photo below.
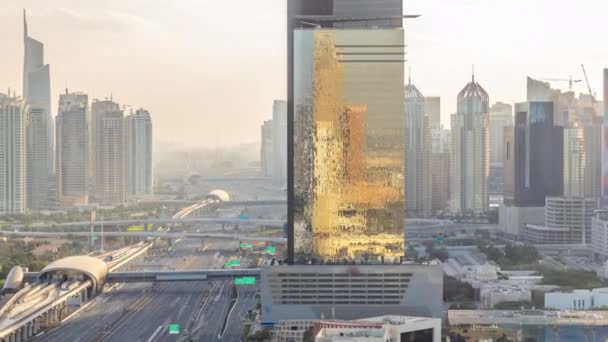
(434, 252)
(513, 305)
(455, 290)
(574, 279)
(513, 256)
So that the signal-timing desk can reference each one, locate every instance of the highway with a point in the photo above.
(142, 312)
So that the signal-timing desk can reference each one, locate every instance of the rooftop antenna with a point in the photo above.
(24, 24)
(473, 73)
(409, 76)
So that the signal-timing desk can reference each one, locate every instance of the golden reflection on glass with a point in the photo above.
(348, 148)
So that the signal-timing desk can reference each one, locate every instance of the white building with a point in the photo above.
(108, 152)
(279, 140)
(496, 294)
(13, 179)
(470, 152)
(138, 155)
(266, 163)
(417, 154)
(599, 235)
(582, 161)
(72, 143)
(577, 299)
(389, 328)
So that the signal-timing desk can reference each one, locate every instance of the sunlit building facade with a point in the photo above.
(348, 145)
(138, 154)
(13, 196)
(72, 149)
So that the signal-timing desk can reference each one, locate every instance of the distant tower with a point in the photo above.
(108, 152)
(138, 140)
(417, 154)
(13, 194)
(40, 130)
(470, 151)
(72, 149)
(279, 141)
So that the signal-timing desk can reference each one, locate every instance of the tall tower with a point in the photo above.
(37, 96)
(109, 152)
(72, 149)
(138, 139)
(279, 141)
(417, 154)
(13, 194)
(470, 151)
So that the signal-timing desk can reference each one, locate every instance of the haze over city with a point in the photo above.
(209, 70)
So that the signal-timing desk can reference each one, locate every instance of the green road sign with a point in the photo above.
(174, 329)
(270, 250)
(232, 263)
(246, 245)
(244, 281)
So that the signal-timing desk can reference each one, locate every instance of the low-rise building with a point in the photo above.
(599, 235)
(513, 220)
(577, 299)
(495, 294)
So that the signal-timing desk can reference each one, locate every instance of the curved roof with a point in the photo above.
(473, 89)
(220, 195)
(14, 279)
(95, 268)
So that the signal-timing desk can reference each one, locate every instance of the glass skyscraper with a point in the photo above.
(346, 98)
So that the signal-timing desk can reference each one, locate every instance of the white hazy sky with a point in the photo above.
(208, 71)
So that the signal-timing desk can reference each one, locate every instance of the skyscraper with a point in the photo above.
(266, 148)
(606, 93)
(501, 115)
(13, 179)
(279, 141)
(109, 150)
(37, 96)
(138, 140)
(582, 166)
(440, 180)
(432, 107)
(470, 151)
(417, 154)
(72, 149)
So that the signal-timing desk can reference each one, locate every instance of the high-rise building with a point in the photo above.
(582, 166)
(440, 180)
(108, 152)
(13, 117)
(417, 154)
(72, 149)
(501, 115)
(605, 94)
(138, 155)
(39, 131)
(470, 151)
(432, 108)
(279, 141)
(266, 149)
(440, 140)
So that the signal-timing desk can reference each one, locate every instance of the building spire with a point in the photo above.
(409, 76)
(473, 73)
(24, 24)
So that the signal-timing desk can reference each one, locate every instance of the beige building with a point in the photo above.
(440, 180)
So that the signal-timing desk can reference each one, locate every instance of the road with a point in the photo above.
(143, 312)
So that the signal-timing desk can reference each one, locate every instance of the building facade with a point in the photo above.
(266, 149)
(13, 158)
(599, 235)
(37, 158)
(417, 154)
(279, 141)
(432, 108)
(440, 181)
(138, 154)
(108, 152)
(501, 116)
(470, 152)
(582, 161)
(72, 142)
(349, 145)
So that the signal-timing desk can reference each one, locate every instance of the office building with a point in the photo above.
(37, 95)
(605, 93)
(440, 140)
(579, 299)
(417, 154)
(72, 143)
(501, 116)
(605, 144)
(13, 117)
(38, 180)
(279, 141)
(470, 151)
(567, 221)
(432, 108)
(138, 156)
(582, 161)
(599, 235)
(440, 181)
(108, 152)
(266, 147)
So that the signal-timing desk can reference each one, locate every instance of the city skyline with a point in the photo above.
(123, 71)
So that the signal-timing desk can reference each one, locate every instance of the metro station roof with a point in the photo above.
(219, 194)
(95, 268)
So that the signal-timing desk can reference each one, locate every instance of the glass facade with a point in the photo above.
(348, 145)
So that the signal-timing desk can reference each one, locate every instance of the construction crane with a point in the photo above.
(570, 81)
(591, 93)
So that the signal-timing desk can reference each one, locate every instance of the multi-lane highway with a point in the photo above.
(143, 312)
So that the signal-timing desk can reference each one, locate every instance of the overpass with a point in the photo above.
(143, 235)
